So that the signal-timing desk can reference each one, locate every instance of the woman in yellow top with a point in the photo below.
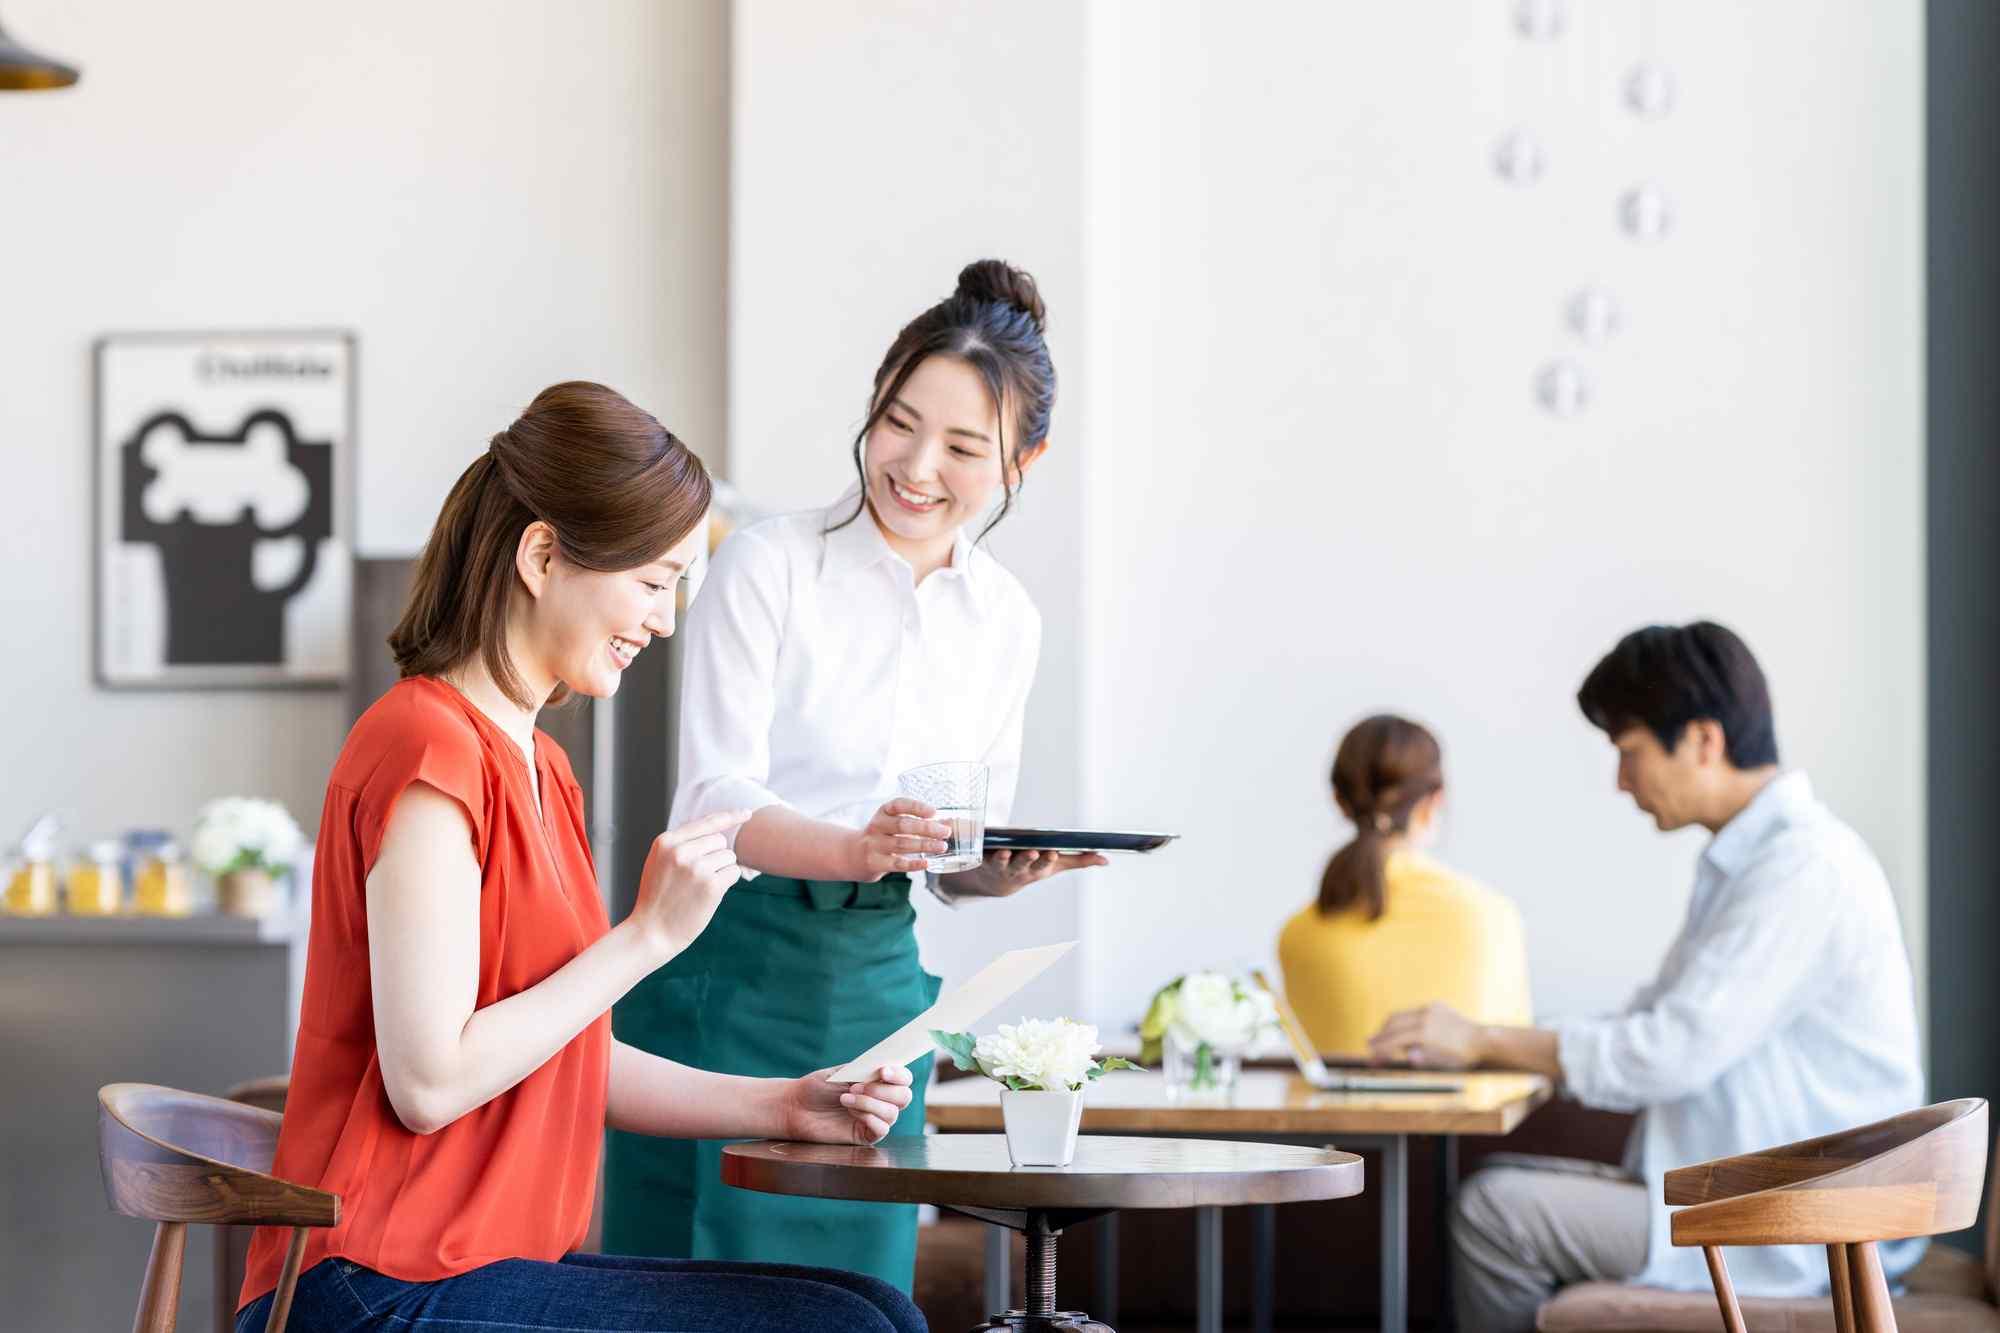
(1393, 929)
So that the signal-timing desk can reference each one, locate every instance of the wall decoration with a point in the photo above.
(1593, 315)
(1519, 157)
(224, 509)
(1563, 388)
(1644, 211)
(1540, 20)
(1649, 90)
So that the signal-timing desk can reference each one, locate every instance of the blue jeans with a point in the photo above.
(594, 1293)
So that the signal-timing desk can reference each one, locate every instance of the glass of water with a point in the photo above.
(958, 793)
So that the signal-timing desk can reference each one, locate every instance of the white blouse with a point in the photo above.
(816, 669)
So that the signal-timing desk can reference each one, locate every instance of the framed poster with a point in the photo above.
(225, 526)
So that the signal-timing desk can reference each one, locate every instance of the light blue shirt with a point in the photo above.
(1784, 1010)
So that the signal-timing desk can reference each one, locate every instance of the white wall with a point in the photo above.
(1318, 486)
(493, 197)
(877, 148)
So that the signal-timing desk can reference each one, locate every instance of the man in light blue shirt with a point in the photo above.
(1784, 1008)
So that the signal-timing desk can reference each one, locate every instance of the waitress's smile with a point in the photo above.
(917, 502)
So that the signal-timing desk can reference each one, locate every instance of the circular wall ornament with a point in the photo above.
(1593, 315)
(1645, 213)
(1541, 20)
(1649, 90)
(1519, 157)
(1562, 388)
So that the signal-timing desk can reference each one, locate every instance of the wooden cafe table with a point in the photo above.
(1273, 1106)
(972, 1174)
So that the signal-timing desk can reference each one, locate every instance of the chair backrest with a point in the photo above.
(172, 1156)
(175, 1157)
(232, 1244)
(1916, 1174)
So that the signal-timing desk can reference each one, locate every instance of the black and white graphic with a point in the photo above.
(224, 531)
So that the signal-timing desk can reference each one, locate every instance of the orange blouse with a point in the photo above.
(515, 1178)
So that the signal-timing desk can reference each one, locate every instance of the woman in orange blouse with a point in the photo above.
(455, 1068)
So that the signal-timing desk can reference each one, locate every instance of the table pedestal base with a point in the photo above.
(1062, 1321)
(1042, 1227)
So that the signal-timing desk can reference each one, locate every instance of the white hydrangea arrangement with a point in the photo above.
(242, 833)
(1211, 1013)
(1033, 1055)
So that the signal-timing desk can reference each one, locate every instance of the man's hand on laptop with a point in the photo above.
(1433, 1037)
(1437, 1036)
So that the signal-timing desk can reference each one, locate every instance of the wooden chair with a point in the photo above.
(232, 1244)
(1916, 1174)
(176, 1157)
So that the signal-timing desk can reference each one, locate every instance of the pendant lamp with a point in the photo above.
(22, 70)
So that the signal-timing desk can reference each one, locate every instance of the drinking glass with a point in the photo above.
(957, 791)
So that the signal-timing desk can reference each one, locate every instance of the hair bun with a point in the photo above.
(997, 280)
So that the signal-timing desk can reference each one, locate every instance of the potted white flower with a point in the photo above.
(1201, 1023)
(248, 845)
(1043, 1066)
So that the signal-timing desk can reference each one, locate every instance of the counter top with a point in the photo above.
(210, 929)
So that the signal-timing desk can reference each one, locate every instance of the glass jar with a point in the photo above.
(31, 883)
(163, 885)
(97, 882)
(1196, 1071)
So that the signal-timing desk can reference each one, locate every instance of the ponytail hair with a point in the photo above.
(1385, 769)
(616, 486)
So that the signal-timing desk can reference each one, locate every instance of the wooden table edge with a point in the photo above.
(744, 1167)
(1332, 1121)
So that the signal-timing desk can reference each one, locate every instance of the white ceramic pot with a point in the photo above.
(1041, 1126)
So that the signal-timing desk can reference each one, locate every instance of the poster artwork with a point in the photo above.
(224, 524)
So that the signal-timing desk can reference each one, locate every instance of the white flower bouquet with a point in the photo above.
(1033, 1055)
(1206, 1020)
(241, 833)
(1042, 1067)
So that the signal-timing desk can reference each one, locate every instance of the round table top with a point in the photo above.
(973, 1170)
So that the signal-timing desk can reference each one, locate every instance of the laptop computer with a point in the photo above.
(1315, 1071)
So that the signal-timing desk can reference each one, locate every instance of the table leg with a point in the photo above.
(1394, 1190)
(1263, 1265)
(1208, 1270)
(1038, 1312)
(1107, 1268)
(1447, 1186)
(999, 1263)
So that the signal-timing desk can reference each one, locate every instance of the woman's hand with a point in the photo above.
(821, 1112)
(1003, 874)
(898, 838)
(687, 871)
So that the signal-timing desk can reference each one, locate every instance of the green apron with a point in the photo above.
(790, 976)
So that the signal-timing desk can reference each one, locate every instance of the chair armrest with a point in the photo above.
(1811, 1216)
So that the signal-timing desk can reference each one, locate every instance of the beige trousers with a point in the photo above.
(1522, 1227)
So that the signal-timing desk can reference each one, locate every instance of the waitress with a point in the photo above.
(831, 651)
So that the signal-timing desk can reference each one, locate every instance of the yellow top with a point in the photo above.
(1440, 937)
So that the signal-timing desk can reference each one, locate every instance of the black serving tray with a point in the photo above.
(1072, 840)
